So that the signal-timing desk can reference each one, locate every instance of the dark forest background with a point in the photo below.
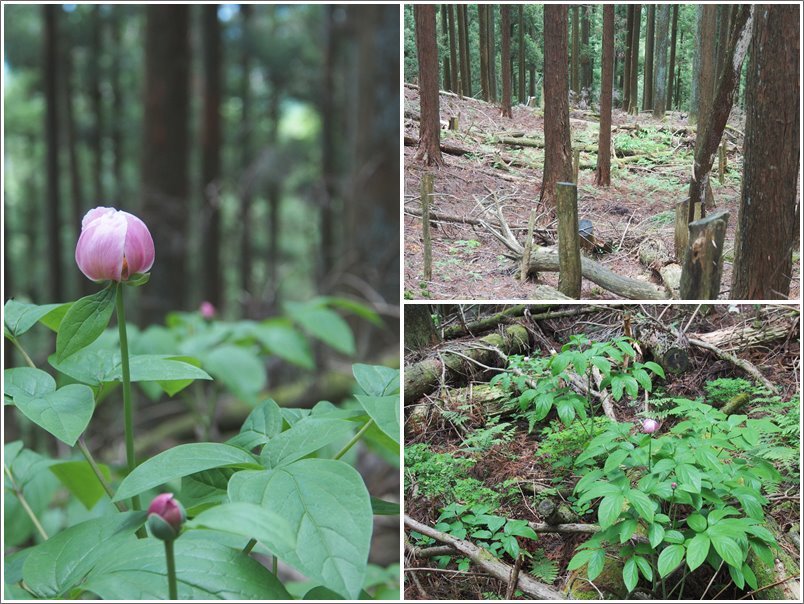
(259, 143)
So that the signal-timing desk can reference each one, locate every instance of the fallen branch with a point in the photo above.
(546, 235)
(574, 528)
(484, 560)
(446, 148)
(746, 366)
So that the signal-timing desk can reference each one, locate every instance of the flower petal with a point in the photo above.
(139, 246)
(99, 252)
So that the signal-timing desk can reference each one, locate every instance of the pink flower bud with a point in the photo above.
(673, 485)
(165, 517)
(649, 426)
(113, 245)
(207, 310)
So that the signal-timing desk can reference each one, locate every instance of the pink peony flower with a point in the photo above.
(113, 245)
(165, 516)
(649, 426)
(207, 310)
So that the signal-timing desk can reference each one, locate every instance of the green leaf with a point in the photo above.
(617, 385)
(761, 532)
(614, 460)
(655, 534)
(669, 559)
(384, 410)
(84, 322)
(376, 380)
(520, 528)
(64, 413)
(305, 437)
(359, 309)
(696, 522)
(654, 367)
(62, 562)
(281, 339)
(181, 460)
(602, 364)
(728, 549)
(559, 362)
(81, 481)
(644, 567)
(697, 550)
(763, 552)
(325, 325)
(381, 507)
(202, 490)
(610, 508)
(599, 490)
(27, 382)
(750, 577)
(630, 574)
(581, 558)
(262, 424)
(19, 317)
(643, 504)
(171, 369)
(737, 576)
(627, 528)
(328, 508)
(239, 369)
(674, 536)
(689, 475)
(595, 566)
(565, 410)
(247, 520)
(205, 570)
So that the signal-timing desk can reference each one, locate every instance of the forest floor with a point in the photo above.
(649, 176)
(462, 442)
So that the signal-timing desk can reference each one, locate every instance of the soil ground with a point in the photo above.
(468, 263)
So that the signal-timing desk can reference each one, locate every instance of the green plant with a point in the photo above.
(680, 488)
(559, 445)
(435, 474)
(493, 433)
(722, 390)
(542, 567)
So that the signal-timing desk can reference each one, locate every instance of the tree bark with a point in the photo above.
(603, 171)
(116, 31)
(672, 68)
(505, 27)
(768, 221)
(463, 34)
(521, 37)
(558, 152)
(97, 104)
(586, 60)
(695, 97)
(647, 84)
(453, 49)
(165, 155)
(491, 48)
(629, 36)
(50, 70)
(576, 44)
(248, 179)
(420, 332)
(210, 156)
(483, 40)
(660, 97)
(447, 73)
(429, 151)
(633, 107)
(706, 75)
(569, 250)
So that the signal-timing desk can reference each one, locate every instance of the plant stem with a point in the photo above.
(128, 411)
(355, 438)
(249, 546)
(171, 570)
(98, 474)
(650, 445)
(24, 503)
(275, 564)
(23, 353)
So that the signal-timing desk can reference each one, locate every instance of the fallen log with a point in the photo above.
(445, 147)
(545, 235)
(668, 350)
(486, 561)
(748, 335)
(746, 366)
(424, 376)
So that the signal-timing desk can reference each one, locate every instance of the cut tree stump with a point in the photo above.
(703, 260)
(670, 351)
(569, 246)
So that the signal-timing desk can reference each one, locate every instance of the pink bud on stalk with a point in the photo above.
(113, 245)
(649, 426)
(207, 310)
(673, 485)
(165, 517)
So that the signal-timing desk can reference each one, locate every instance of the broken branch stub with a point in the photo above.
(703, 259)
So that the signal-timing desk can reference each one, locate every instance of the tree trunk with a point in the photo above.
(521, 36)
(505, 27)
(429, 126)
(273, 193)
(420, 331)
(768, 220)
(603, 171)
(629, 36)
(576, 44)
(695, 97)
(586, 60)
(647, 84)
(447, 74)
(558, 152)
(116, 31)
(706, 76)
(491, 48)
(724, 24)
(210, 156)
(633, 107)
(247, 181)
(165, 155)
(50, 69)
(662, 25)
(483, 38)
(453, 49)
(467, 54)
(672, 68)
(463, 51)
(97, 106)
(569, 249)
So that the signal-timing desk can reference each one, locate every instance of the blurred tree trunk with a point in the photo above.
(672, 68)
(491, 47)
(483, 35)
(505, 27)
(629, 36)
(420, 331)
(769, 220)
(521, 38)
(248, 179)
(463, 53)
(447, 73)
(633, 107)
(273, 192)
(453, 49)
(116, 31)
(662, 25)
(469, 89)
(586, 59)
(429, 125)
(329, 119)
(603, 172)
(50, 70)
(210, 156)
(165, 156)
(95, 50)
(647, 83)
(557, 146)
(576, 45)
